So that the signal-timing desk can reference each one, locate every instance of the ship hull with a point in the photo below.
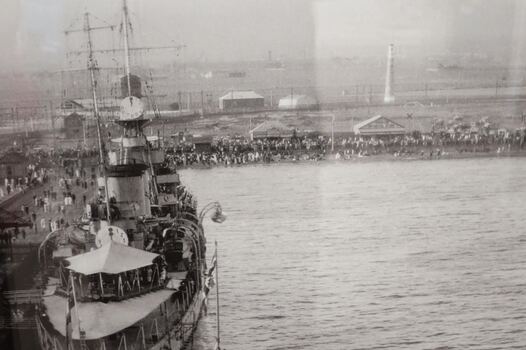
(181, 336)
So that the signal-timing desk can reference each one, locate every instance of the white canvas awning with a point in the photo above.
(100, 319)
(111, 258)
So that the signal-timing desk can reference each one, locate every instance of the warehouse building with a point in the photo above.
(378, 126)
(13, 164)
(271, 129)
(297, 102)
(239, 100)
(74, 126)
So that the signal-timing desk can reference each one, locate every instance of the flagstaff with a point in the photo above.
(218, 347)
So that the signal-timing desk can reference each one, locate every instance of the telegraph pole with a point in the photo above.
(202, 103)
(52, 122)
(332, 133)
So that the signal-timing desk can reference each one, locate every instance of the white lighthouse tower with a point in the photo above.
(389, 77)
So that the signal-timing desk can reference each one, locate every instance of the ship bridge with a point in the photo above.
(116, 287)
(113, 272)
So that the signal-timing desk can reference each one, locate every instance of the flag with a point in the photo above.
(209, 281)
(213, 264)
(69, 306)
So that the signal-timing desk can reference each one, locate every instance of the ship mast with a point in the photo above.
(125, 23)
(92, 66)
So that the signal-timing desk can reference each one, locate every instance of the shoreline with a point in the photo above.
(368, 159)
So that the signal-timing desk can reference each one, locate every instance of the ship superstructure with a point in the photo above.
(133, 274)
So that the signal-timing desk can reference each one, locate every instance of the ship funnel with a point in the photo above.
(389, 77)
(135, 86)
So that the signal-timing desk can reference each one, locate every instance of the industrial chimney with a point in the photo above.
(389, 77)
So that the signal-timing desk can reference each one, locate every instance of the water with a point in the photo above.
(375, 255)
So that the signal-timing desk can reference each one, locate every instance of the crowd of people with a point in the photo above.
(227, 151)
(57, 188)
(240, 150)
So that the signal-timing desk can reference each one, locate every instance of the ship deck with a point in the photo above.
(100, 319)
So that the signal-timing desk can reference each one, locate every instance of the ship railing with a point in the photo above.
(118, 287)
(47, 341)
(154, 330)
(134, 338)
(157, 328)
(122, 343)
(169, 322)
(139, 341)
(56, 344)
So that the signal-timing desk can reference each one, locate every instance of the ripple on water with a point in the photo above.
(387, 255)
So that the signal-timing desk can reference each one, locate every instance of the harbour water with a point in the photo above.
(369, 255)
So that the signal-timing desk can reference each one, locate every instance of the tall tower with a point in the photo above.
(389, 77)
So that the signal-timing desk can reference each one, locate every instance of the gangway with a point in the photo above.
(23, 297)
(19, 308)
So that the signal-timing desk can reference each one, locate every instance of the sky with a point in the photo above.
(425, 26)
(31, 31)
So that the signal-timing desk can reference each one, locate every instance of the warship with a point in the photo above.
(132, 273)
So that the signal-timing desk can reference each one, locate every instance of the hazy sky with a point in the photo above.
(31, 31)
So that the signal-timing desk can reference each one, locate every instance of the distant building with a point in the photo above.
(237, 74)
(73, 126)
(271, 129)
(86, 105)
(378, 126)
(202, 143)
(13, 165)
(108, 107)
(180, 138)
(241, 100)
(297, 102)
